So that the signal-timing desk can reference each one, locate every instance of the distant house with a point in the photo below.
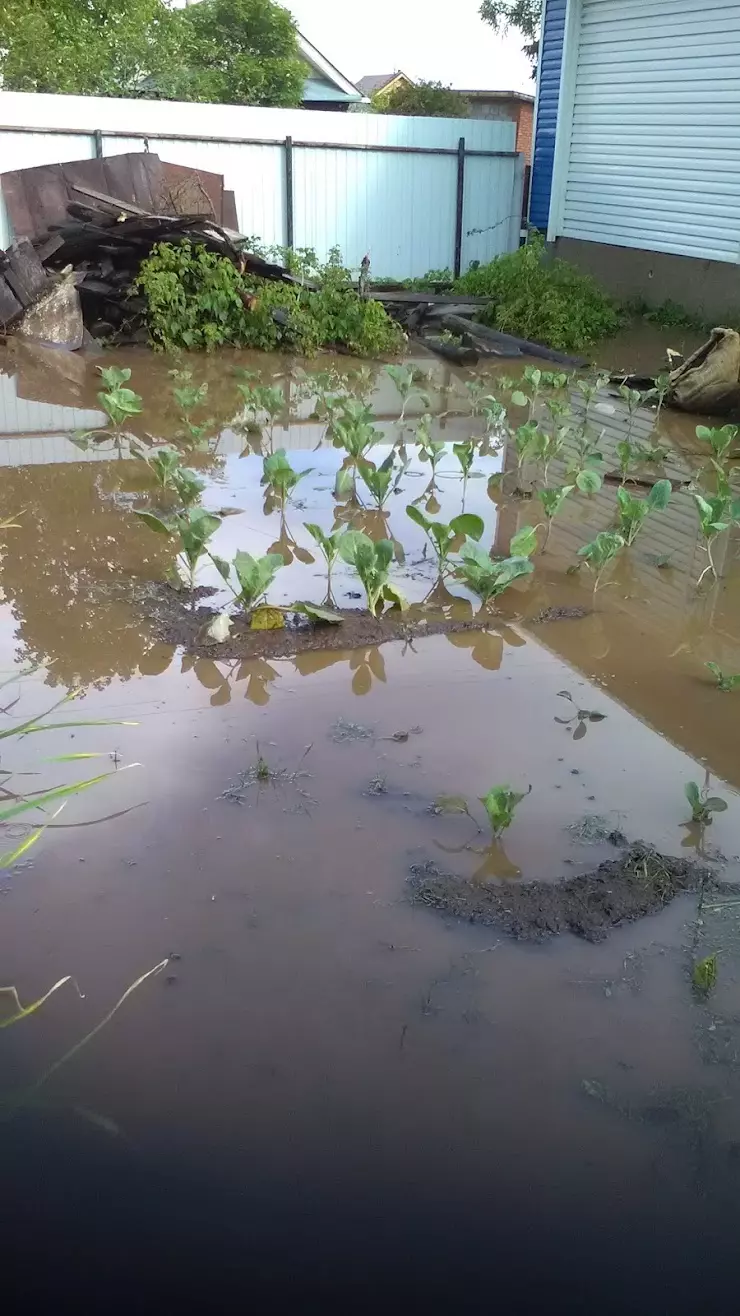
(325, 87)
(372, 83)
(516, 106)
(636, 173)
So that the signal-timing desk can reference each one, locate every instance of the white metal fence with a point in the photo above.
(417, 194)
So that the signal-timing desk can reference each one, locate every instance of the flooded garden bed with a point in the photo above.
(296, 906)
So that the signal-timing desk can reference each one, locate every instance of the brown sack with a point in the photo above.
(708, 380)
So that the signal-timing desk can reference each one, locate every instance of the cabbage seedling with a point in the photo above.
(382, 480)
(279, 474)
(255, 575)
(600, 552)
(715, 515)
(632, 511)
(371, 561)
(405, 380)
(118, 403)
(703, 805)
(501, 804)
(719, 440)
(188, 485)
(164, 463)
(430, 450)
(442, 537)
(193, 528)
(329, 545)
(552, 500)
(352, 430)
(266, 399)
(484, 576)
(724, 680)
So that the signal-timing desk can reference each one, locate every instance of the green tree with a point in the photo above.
(521, 14)
(236, 52)
(239, 52)
(88, 47)
(425, 98)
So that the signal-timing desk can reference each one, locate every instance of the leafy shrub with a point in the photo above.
(546, 301)
(198, 299)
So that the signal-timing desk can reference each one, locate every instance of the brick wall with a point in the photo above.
(525, 130)
(519, 112)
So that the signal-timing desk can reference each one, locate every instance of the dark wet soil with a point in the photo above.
(176, 621)
(560, 614)
(641, 881)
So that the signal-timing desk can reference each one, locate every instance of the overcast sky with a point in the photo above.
(441, 40)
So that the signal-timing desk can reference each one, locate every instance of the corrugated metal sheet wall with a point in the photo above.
(654, 157)
(548, 97)
(400, 208)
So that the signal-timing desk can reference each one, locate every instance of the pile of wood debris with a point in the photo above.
(82, 231)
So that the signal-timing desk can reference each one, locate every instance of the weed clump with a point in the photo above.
(198, 299)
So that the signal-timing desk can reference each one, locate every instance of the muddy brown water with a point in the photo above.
(329, 1093)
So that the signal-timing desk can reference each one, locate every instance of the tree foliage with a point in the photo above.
(425, 98)
(237, 52)
(242, 52)
(524, 15)
(88, 47)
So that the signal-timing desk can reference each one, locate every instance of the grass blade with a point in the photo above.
(60, 792)
(105, 1020)
(22, 1012)
(10, 856)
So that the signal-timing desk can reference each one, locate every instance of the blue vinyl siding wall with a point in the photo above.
(548, 96)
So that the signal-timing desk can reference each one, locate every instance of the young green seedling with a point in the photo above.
(278, 473)
(164, 463)
(500, 805)
(704, 975)
(552, 500)
(484, 576)
(372, 562)
(263, 399)
(329, 545)
(715, 515)
(406, 381)
(725, 681)
(600, 552)
(383, 480)
(119, 403)
(189, 397)
(703, 805)
(189, 486)
(719, 440)
(632, 511)
(634, 399)
(443, 537)
(255, 575)
(430, 450)
(192, 528)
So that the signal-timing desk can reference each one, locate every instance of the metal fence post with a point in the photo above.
(289, 219)
(98, 136)
(459, 207)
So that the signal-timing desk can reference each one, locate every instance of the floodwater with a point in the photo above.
(329, 1094)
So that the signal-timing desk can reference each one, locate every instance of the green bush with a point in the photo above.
(198, 299)
(547, 301)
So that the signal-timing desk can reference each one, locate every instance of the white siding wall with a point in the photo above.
(648, 151)
(399, 207)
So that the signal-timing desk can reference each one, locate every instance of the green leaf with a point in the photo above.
(716, 804)
(344, 483)
(222, 566)
(326, 615)
(155, 523)
(519, 399)
(716, 669)
(392, 594)
(418, 517)
(588, 481)
(467, 524)
(692, 793)
(524, 542)
(659, 495)
(58, 793)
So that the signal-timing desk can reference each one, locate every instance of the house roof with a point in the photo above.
(482, 94)
(372, 82)
(328, 72)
